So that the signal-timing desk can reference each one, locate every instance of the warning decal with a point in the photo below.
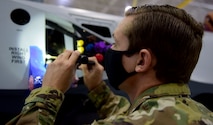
(18, 54)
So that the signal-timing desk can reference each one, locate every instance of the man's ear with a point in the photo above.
(144, 61)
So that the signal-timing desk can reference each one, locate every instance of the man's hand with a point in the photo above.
(61, 72)
(92, 74)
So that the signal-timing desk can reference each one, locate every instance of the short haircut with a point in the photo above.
(172, 35)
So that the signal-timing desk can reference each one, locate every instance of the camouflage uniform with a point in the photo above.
(167, 104)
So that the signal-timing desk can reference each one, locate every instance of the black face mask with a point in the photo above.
(114, 68)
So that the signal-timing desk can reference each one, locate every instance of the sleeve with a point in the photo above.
(40, 107)
(107, 102)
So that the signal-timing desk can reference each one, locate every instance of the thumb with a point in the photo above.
(84, 68)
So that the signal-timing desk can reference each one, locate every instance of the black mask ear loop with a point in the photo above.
(114, 68)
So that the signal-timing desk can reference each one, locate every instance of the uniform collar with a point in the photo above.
(169, 89)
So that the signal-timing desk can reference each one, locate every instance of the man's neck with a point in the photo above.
(137, 84)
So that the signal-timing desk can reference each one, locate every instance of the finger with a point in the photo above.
(98, 66)
(66, 54)
(59, 56)
(74, 57)
(84, 69)
(93, 58)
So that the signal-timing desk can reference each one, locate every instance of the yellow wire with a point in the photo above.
(183, 4)
(134, 3)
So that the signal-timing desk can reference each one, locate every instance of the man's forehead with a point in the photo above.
(125, 24)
